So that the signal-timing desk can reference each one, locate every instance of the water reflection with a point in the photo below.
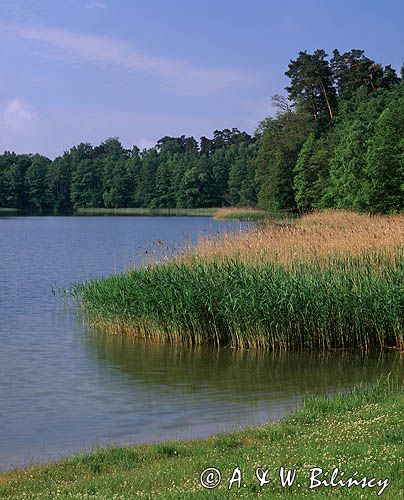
(228, 381)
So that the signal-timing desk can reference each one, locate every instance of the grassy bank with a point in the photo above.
(359, 431)
(8, 210)
(327, 281)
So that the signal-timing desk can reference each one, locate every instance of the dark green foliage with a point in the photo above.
(305, 174)
(241, 184)
(278, 151)
(87, 184)
(176, 173)
(365, 164)
(35, 177)
(13, 185)
(385, 160)
(59, 179)
(312, 171)
(353, 69)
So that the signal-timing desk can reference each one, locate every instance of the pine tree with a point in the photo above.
(311, 84)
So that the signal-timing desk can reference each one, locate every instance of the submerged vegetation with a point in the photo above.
(331, 280)
(356, 431)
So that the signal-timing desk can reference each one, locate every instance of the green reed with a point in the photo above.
(344, 303)
(205, 212)
(250, 216)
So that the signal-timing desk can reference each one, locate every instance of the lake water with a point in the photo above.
(64, 388)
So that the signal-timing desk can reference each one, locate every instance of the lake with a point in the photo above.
(64, 388)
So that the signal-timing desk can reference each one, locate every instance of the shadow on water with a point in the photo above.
(276, 380)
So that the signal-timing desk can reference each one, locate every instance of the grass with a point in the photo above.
(331, 280)
(357, 431)
(205, 212)
(245, 214)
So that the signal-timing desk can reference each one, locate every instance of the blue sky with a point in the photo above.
(78, 71)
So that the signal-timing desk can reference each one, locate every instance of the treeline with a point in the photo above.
(177, 172)
(337, 140)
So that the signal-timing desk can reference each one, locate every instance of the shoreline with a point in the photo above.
(362, 425)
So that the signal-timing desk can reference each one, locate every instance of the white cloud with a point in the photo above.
(16, 116)
(20, 126)
(181, 76)
(96, 5)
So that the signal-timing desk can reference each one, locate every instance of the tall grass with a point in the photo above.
(348, 303)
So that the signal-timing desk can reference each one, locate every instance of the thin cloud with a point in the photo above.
(145, 143)
(96, 5)
(180, 76)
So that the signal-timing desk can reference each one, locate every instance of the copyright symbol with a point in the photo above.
(210, 478)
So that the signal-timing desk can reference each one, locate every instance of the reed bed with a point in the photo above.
(316, 237)
(333, 280)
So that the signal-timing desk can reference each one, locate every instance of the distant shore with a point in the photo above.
(7, 210)
(246, 214)
(224, 213)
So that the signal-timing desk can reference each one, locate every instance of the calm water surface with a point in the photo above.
(64, 389)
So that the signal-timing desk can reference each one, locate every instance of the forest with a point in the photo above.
(336, 140)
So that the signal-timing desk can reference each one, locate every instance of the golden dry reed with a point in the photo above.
(314, 237)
